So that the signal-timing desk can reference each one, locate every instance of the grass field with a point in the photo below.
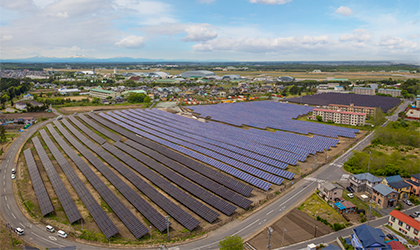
(314, 206)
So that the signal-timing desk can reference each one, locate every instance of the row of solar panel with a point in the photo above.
(254, 181)
(216, 176)
(101, 218)
(123, 213)
(100, 129)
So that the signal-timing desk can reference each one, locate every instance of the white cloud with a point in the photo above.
(392, 43)
(146, 12)
(206, 1)
(196, 32)
(359, 35)
(131, 42)
(6, 38)
(415, 36)
(345, 11)
(62, 15)
(199, 33)
(270, 1)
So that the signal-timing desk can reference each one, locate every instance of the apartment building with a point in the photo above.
(340, 117)
(364, 91)
(392, 92)
(370, 111)
(404, 224)
(101, 93)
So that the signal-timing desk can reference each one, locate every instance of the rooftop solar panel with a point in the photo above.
(63, 195)
(101, 218)
(39, 187)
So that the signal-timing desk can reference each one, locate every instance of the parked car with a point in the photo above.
(13, 176)
(417, 214)
(50, 229)
(408, 202)
(61, 233)
(350, 189)
(13, 171)
(350, 195)
(413, 216)
(19, 231)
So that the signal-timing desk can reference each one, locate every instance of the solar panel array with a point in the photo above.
(101, 129)
(324, 99)
(102, 220)
(188, 173)
(40, 190)
(123, 213)
(267, 114)
(179, 180)
(87, 131)
(217, 164)
(63, 195)
(135, 199)
(210, 173)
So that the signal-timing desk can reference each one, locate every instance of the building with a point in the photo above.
(231, 77)
(395, 245)
(345, 206)
(365, 237)
(398, 184)
(137, 91)
(197, 74)
(338, 88)
(392, 92)
(418, 101)
(330, 191)
(28, 97)
(384, 196)
(351, 108)
(364, 182)
(159, 74)
(286, 79)
(68, 91)
(404, 224)
(415, 184)
(23, 105)
(364, 91)
(101, 93)
(340, 117)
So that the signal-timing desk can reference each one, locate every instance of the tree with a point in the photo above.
(231, 243)
(49, 94)
(319, 118)
(136, 98)
(294, 90)
(2, 134)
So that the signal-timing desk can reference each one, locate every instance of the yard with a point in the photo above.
(360, 204)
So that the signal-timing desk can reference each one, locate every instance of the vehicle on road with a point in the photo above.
(13, 171)
(19, 231)
(417, 214)
(50, 229)
(350, 195)
(62, 234)
(59, 117)
(13, 176)
(350, 189)
(408, 202)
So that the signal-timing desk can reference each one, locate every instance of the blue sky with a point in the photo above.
(243, 30)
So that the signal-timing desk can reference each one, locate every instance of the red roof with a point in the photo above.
(340, 112)
(396, 245)
(406, 219)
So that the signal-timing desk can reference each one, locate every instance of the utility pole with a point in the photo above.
(282, 241)
(167, 225)
(269, 231)
(326, 156)
(10, 230)
(314, 160)
(151, 240)
(316, 228)
(370, 201)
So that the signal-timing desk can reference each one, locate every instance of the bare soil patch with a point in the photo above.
(36, 115)
(82, 109)
(299, 227)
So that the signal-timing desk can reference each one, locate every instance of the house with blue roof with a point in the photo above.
(384, 196)
(364, 182)
(398, 184)
(365, 237)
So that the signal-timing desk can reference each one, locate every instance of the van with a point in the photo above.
(50, 229)
(62, 234)
(19, 231)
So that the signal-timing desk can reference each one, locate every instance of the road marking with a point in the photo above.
(314, 179)
(246, 227)
(13, 215)
(4, 190)
(5, 198)
(22, 224)
(269, 212)
(4, 177)
(8, 161)
(52, 238)
(47, 240)
(8, 206)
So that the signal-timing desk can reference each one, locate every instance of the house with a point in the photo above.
(345, 206)
(23, 105)
(415, 184)
(384, 195)
(28, 120)
(367, 237)
(364, 182)
(330, 191)
(28, 97)
(395, 245)
(332, 247)
(404, 224)
(398, 184)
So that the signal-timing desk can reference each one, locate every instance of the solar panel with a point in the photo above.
(135, 199)
(99, 128)
(123, 213)
(101, 218)
(190, 174)
(63, 195)
(195, 165)
(87, 131)
(40, 191)
(179, 180)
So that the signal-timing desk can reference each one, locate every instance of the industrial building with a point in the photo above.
(101, 93)
(286, 79)
(392, 92)
(197, 74)
(159, 74)
(68, 91)
(340, 117)
(370, 111)
(364, 91)
(231, 77)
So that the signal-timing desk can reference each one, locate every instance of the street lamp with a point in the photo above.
(151, 244)
(282, 241)
(269, 231)
(167, 224)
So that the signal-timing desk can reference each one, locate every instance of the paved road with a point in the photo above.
(257, 221)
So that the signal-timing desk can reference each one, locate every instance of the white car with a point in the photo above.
(13, 171)
(61, 233)
(350, 195)
(19, 231)
(13, 176)
(50, 229)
